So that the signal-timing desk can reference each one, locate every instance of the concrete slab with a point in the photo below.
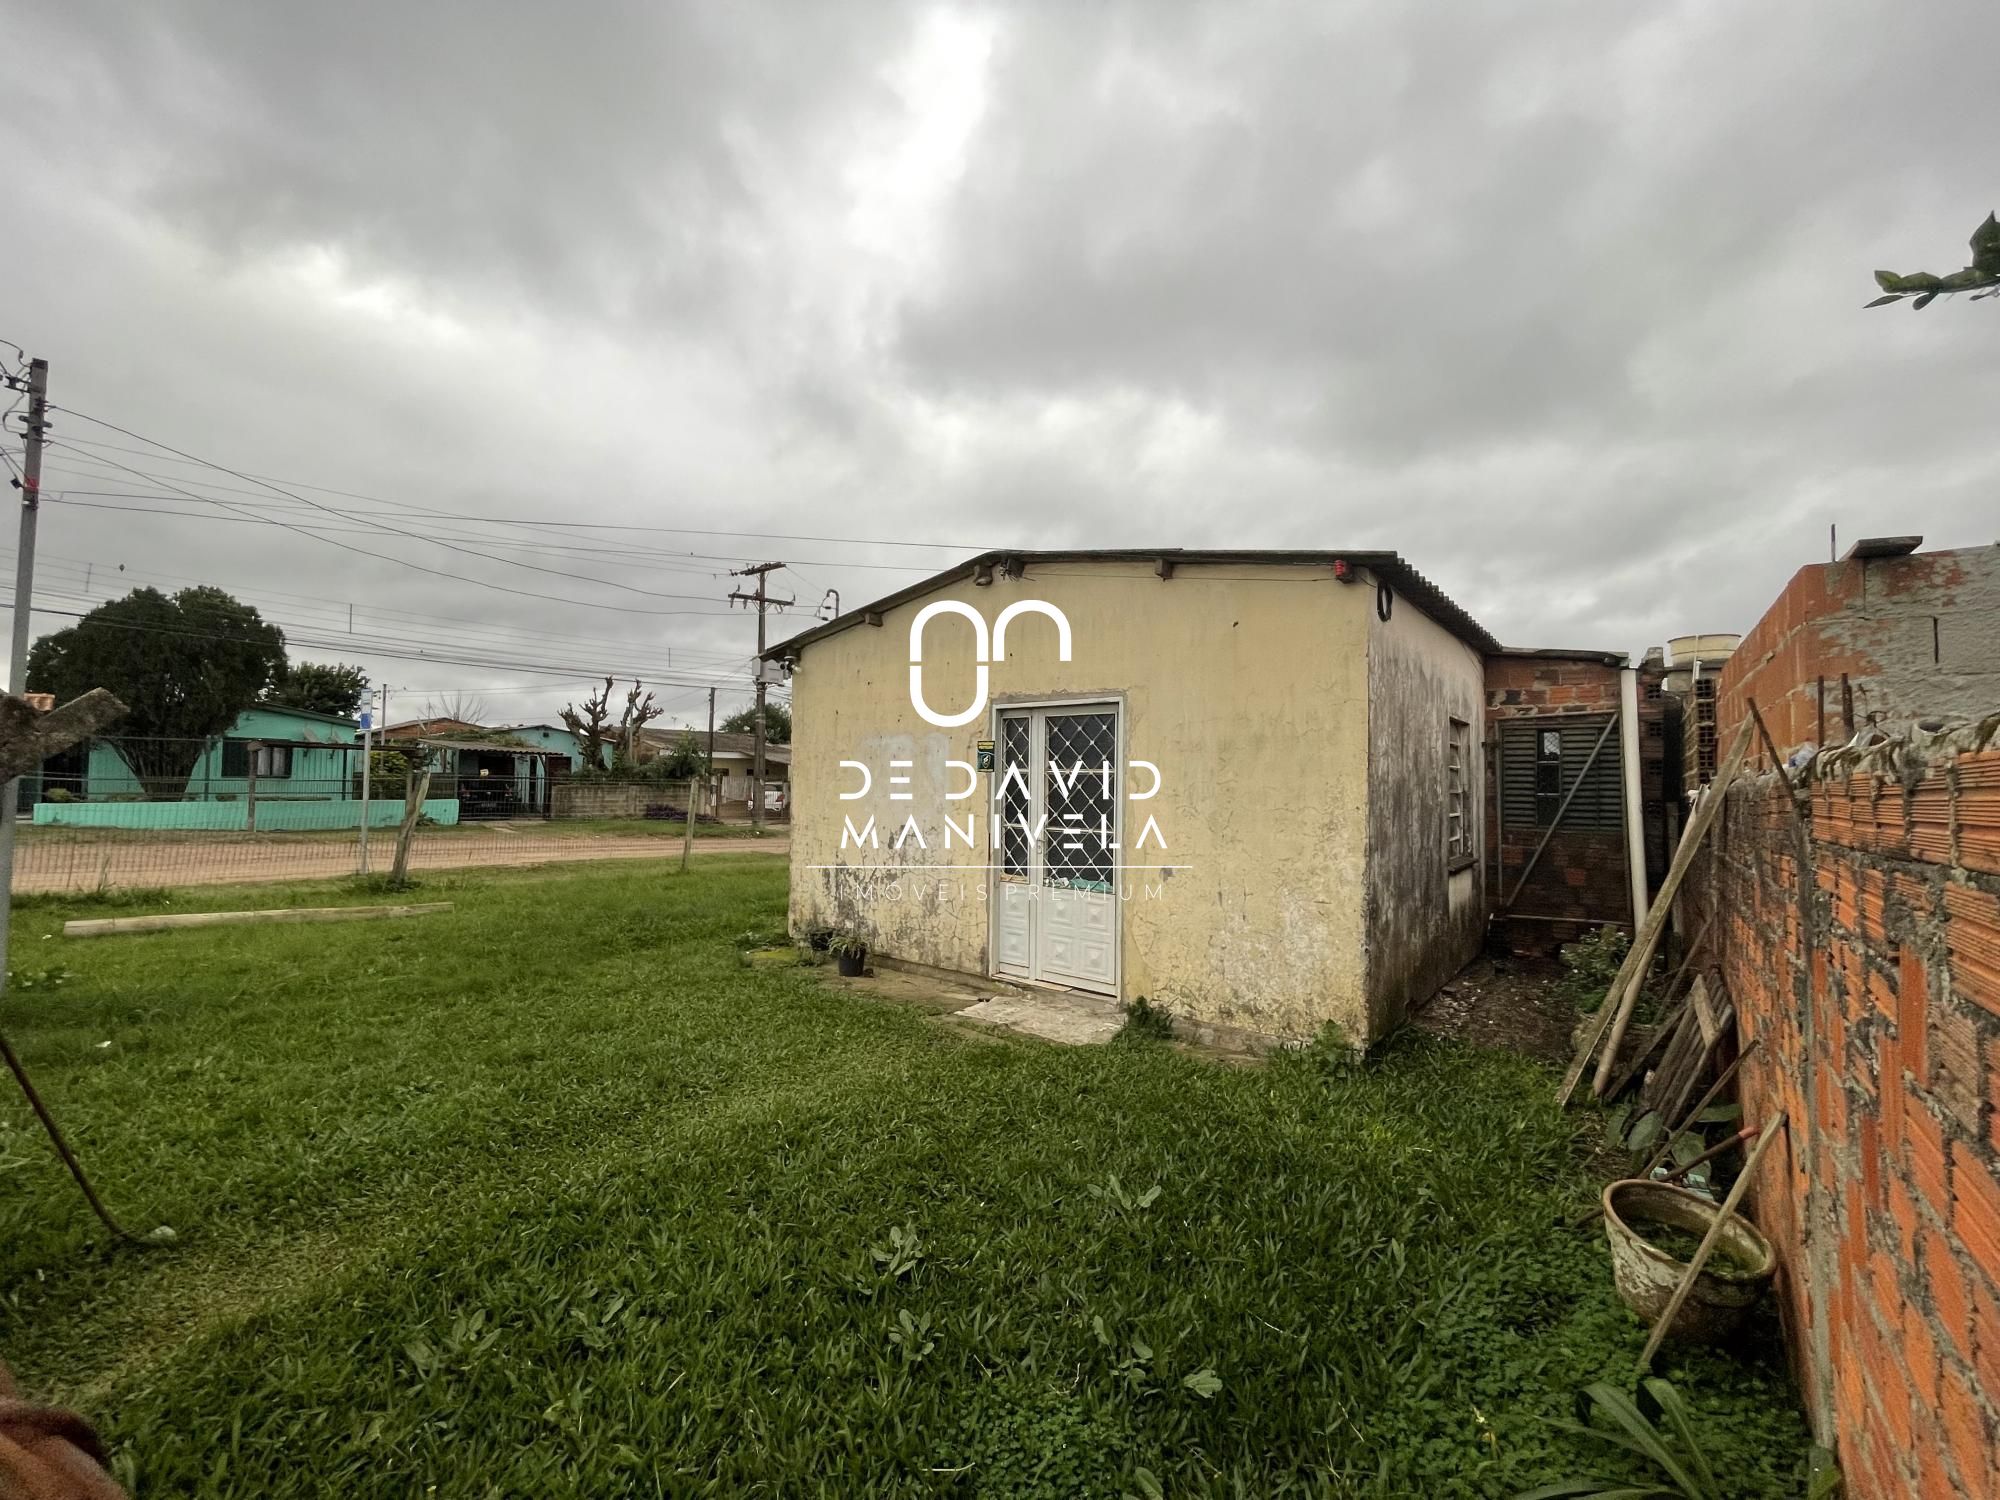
(1071, 1019)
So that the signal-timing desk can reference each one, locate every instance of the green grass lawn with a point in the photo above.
(553, 1196)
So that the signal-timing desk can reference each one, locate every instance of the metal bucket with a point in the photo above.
(1646, 1275)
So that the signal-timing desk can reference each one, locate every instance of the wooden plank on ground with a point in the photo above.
(109, 926)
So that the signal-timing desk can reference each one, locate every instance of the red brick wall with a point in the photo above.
(1884, 1047)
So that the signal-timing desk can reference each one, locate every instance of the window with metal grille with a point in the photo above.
(1457, 774)
(270, 760)
(1077, 850)
(1540, 762)
(1015, 768)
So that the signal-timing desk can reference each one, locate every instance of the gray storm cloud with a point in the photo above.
(1563, 301)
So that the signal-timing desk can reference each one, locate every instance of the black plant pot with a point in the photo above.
(852, 962)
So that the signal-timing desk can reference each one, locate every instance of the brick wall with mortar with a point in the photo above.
(1580, 880)
(1884, 641)
(1877, 1009)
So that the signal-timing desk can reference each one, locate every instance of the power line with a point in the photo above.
(766, 536)
(681, 560)
(571, 673)
(413, 536)
(453, 625)
(627, 609)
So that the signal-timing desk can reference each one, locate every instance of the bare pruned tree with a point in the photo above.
(605, 743)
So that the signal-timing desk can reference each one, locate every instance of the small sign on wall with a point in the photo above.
(985, 760)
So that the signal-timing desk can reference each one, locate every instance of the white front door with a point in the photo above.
(1056, 917)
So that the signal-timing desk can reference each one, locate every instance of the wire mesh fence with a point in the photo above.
(113, 816)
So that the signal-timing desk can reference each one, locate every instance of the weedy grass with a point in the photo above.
(552, 1195)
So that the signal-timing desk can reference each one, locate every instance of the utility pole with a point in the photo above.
(708, 762)
(761, 572)
(30, 482)
(698, 785)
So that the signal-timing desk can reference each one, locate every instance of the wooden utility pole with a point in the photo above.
(708, 763)
(761, 599)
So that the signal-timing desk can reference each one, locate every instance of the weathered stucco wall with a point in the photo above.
(1245, 684)
(1424, 918)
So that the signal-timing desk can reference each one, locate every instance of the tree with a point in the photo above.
(1981, 277)
(595, 732)
(185, 667)
(685, 761)
(322, 688)
(777, 723)
(466, 708)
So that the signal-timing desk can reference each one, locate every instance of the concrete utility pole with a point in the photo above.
(36, 428)
(763, 602)
(708, 761)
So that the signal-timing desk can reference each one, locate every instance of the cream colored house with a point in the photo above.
(1245, 785)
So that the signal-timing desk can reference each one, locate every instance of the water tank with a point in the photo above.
(1685, 650)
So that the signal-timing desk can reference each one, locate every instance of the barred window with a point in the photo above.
(1457, 798)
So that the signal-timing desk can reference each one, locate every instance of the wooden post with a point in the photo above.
(251, 798)
(687, 839)
(417, 787)
(1624, 991)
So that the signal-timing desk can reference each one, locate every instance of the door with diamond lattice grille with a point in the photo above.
(1056, 916)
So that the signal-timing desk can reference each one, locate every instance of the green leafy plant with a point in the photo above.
(38, 979)
(911, 1337)
(1204, 1382)
(1134, 1368)
(1981, 276)
(1658, 1428)
(900, 1256)
(846, 940)
(1589, 966)
(1147, 1021)
(1111, 1190)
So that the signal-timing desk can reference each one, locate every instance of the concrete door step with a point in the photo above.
(1070, 1019)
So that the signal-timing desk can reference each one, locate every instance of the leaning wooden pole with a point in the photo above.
(1624, 991)
(1707, 1247)
(417, 790)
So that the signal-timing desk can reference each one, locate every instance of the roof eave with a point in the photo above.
(1428, 597)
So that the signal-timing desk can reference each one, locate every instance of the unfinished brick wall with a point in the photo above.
(1854, 643)
(1881, 1038)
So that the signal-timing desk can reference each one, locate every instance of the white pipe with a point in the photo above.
(1635, 815)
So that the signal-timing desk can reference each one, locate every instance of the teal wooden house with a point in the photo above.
(301, 769)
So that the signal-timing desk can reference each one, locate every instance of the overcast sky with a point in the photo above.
(1563, 301)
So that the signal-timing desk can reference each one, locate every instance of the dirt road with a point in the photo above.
(43, 865)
